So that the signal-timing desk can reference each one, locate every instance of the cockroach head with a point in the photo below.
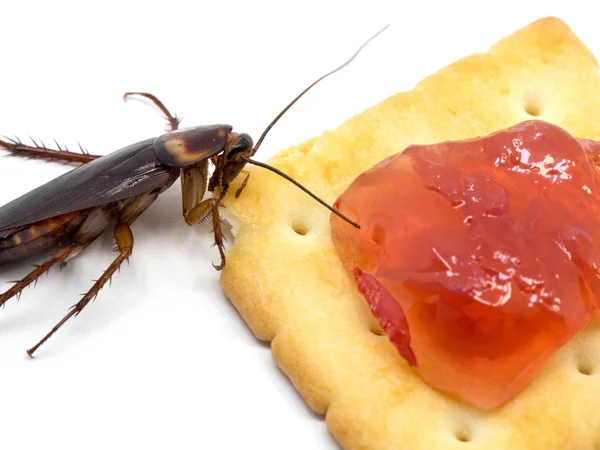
(240, 145)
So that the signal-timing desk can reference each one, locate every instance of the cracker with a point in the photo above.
(285, 278)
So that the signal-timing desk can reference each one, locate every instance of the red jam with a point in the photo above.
(479, 258)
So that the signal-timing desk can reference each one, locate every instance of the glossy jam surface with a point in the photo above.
(479, 258)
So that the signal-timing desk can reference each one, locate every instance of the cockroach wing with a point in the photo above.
(127, 172)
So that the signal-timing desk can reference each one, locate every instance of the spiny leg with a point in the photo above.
(200, 213)
(243, 185)
(218, 234)
(58, 257)
(17, 148)
(173, 120)
(124, 239)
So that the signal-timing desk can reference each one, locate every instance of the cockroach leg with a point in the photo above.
(218, 234)
(59, 257)
(172, 119)
(124, 239)
(34, 151)
(200, 213)
(243, 185)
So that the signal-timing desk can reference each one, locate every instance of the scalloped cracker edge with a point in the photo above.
(285, 278)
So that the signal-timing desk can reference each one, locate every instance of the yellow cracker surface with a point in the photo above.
(284, 275)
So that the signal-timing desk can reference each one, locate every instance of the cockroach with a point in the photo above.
(65, 215)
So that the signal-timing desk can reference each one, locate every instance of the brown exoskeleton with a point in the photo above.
(65, 215)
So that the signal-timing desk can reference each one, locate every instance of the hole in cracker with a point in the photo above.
(533, 108)
(377, 331)
(585, 368)
(463, 435)
(300, 228)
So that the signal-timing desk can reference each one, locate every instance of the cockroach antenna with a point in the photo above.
(249, 160)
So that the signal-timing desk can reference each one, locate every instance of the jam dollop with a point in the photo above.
(479, 258)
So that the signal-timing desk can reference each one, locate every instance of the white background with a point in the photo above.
(161, 359)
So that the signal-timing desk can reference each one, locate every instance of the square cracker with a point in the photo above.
(285, 278)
